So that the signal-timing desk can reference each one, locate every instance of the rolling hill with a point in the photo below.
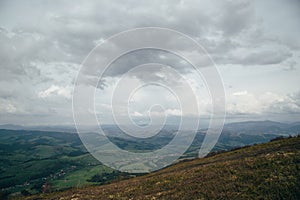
(263, 171)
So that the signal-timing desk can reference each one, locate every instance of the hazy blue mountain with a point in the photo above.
(262, 127)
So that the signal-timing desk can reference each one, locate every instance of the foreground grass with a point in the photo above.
(265, 171)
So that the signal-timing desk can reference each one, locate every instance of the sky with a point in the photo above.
(255, 46)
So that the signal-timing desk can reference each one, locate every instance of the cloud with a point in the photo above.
(266, 103)
(41, 50)
(265, 58)
(236, 17)
(241, 93)
(243, 103)
(291, 66)
(67, 35)
(7, 107)
(56, 91)
(289, 104)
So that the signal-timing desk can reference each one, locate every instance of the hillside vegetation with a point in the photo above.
(55, 161)
(264, 171)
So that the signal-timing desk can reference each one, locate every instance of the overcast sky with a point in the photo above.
(255, 45)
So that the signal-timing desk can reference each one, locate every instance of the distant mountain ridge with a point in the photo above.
(263, 127)
(56, 128)
(258, 126)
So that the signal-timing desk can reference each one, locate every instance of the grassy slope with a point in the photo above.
(267, 171)
(37, 157)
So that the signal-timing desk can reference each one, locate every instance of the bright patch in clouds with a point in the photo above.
(245, 92)
(266, 103)
(6, 107)
(56, 91)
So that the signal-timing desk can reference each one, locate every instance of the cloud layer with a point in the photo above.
(42, 44)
